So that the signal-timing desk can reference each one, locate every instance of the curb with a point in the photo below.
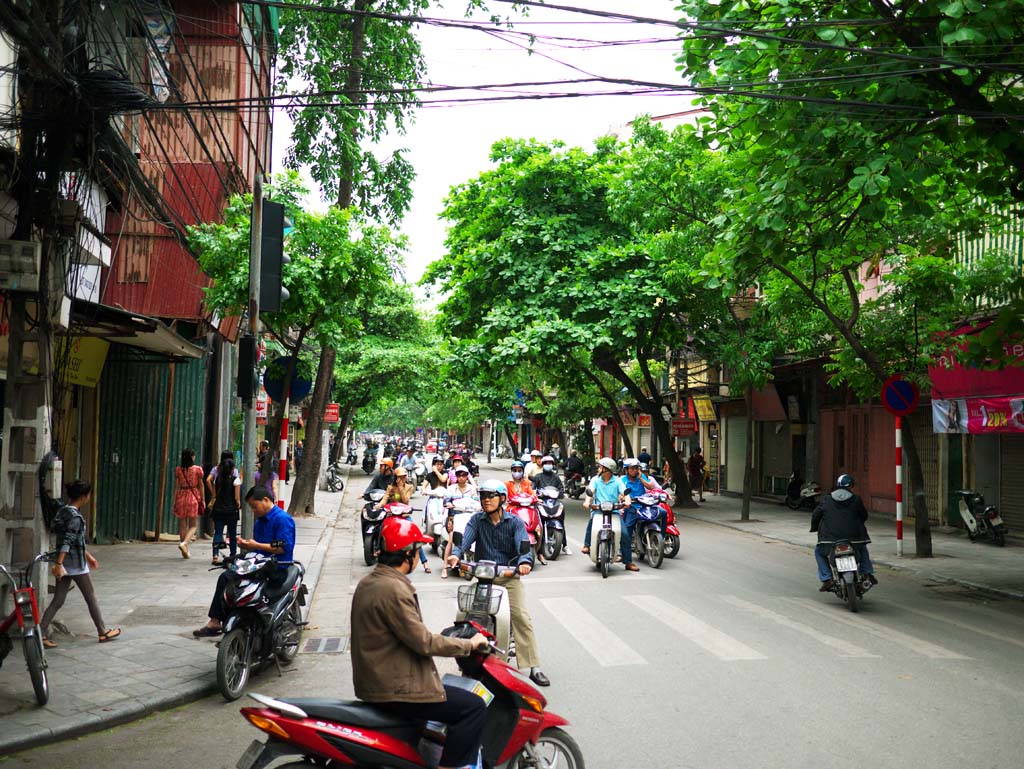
(134, 708)
(895, 566)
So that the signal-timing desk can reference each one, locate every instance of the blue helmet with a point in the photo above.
(494, 487)
(845, 481)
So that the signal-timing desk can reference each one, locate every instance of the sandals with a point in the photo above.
(48, 644)
(206, 632)
(183, 547)
(444, 572)
(632, 567)
(426, 569)
(110, 635)
(585, 550)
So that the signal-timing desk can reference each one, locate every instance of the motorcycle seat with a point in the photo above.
(295, 571)
(350, 712)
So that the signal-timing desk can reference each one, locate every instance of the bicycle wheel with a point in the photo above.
(36, 660)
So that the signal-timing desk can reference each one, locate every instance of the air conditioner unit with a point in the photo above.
(19, 265)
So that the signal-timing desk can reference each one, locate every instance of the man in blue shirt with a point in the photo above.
(636, 486)
(273, 532)
(608, 487)
(501, 537)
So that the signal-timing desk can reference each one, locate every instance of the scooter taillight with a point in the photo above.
(844, 549)
(265, 724)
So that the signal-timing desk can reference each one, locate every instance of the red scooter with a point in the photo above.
(519, 732)
(524, 507)
(671, 545)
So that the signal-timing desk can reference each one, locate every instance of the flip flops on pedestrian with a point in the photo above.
(110, 635)
(48, 644)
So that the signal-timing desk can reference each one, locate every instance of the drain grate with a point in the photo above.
(328, 645)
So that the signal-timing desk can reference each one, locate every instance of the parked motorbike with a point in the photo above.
(648, 543)
(335, 481)
(485, 603)
(552, 516)
(264, 623)
(981, 519)
(353, 456)
(605, 532)
(847, 581)
(802, 495)
(524, 507)
(519, 731)
(574, 485)
(371, 519)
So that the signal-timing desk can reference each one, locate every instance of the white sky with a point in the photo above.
(448, 145)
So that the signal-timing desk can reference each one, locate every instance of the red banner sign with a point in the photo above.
(978, 415)
(332, 414)
(950, 380)
(261, 408)
(682, 427)
(643, 420)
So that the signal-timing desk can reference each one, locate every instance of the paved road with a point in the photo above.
(725, 658)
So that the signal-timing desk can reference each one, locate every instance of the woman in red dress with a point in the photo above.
(188, 498)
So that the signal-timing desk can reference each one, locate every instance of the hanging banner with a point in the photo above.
(978, 415)
(705, 408)
(643, 420)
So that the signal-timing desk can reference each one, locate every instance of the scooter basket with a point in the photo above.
(473, 599)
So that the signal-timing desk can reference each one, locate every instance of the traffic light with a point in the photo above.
(248, 368)
(273, 294)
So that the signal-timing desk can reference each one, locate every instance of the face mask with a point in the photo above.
(548, 468)
(517, 474)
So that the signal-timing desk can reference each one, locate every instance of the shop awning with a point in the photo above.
(124, 327)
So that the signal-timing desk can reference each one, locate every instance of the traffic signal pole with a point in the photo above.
(249, 406)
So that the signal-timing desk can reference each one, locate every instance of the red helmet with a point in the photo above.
(398, 533)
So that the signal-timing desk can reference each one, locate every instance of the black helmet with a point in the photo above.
(844, 481)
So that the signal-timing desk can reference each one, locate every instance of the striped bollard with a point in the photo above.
(899, 486)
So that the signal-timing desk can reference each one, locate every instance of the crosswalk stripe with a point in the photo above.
(593, 635)
(881, 631)
(723, 646)
(845, 648)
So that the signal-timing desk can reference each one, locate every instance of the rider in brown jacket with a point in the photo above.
(392, 649)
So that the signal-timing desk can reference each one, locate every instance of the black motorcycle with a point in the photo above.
(552, 518)
(369, 460)
(335, 478)
(575, 484)
(264, 622)
(353, 455)
(371, 519)
(847, 581)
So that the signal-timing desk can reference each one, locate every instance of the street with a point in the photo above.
(726, 657)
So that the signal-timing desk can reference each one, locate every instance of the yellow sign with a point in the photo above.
(85, 360)
(705, 408)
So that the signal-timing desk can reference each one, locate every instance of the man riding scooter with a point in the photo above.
(841, 516)
(608, 487)
(388, 635)
(636, 486)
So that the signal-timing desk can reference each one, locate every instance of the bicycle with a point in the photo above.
(28, 624)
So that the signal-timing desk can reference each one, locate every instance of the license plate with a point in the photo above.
(846, 563)
(251, 756)
(997, 521)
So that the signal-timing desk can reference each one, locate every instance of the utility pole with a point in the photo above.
(249, 406)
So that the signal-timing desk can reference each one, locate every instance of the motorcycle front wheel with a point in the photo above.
(655, 550)
(604, 558)
(233, 664)
(368, 551)
(36, 661)
(555, 748)
(553, 545)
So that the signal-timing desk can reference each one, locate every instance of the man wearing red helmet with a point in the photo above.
(392, 649)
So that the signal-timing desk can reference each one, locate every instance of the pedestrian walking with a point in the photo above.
(74, 563)
(188, 498)
(695, 469)
(224, 484)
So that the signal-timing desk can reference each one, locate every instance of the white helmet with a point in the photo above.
(608, 464)
(631, 462)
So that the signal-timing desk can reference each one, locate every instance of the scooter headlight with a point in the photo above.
(485, 570)
(607, 507)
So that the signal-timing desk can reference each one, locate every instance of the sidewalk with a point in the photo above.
(956, 559)
(157, 598)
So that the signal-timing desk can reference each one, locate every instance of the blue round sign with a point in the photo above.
(273, 382)
(899, 397)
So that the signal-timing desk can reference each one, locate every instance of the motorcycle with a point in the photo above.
(369, 460)
(648, 543)
(847, 581)
(802, 495)
(420, 470)
(264, 623)
(519, 731)
(459, 512)
(353, 456)
(574, 485)
(552, 514)
(371, 518)
(981, 519)
(524, 507)
(606, 529)
(434, 515)
(672, 539)
(335, 481)
(485, 603)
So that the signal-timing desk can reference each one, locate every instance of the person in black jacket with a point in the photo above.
(841, 516)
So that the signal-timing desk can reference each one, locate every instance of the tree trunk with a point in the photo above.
(922, 529)
(305, 484)
(748, 454)
(612, 406)
(346, 420)
(512, 447)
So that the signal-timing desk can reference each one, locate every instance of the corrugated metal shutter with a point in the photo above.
(1011, 490)
(133, 401)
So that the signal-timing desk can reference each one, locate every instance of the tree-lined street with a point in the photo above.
(725, 657)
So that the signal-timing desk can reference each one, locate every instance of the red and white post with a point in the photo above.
(283, 466)
(899, 485)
